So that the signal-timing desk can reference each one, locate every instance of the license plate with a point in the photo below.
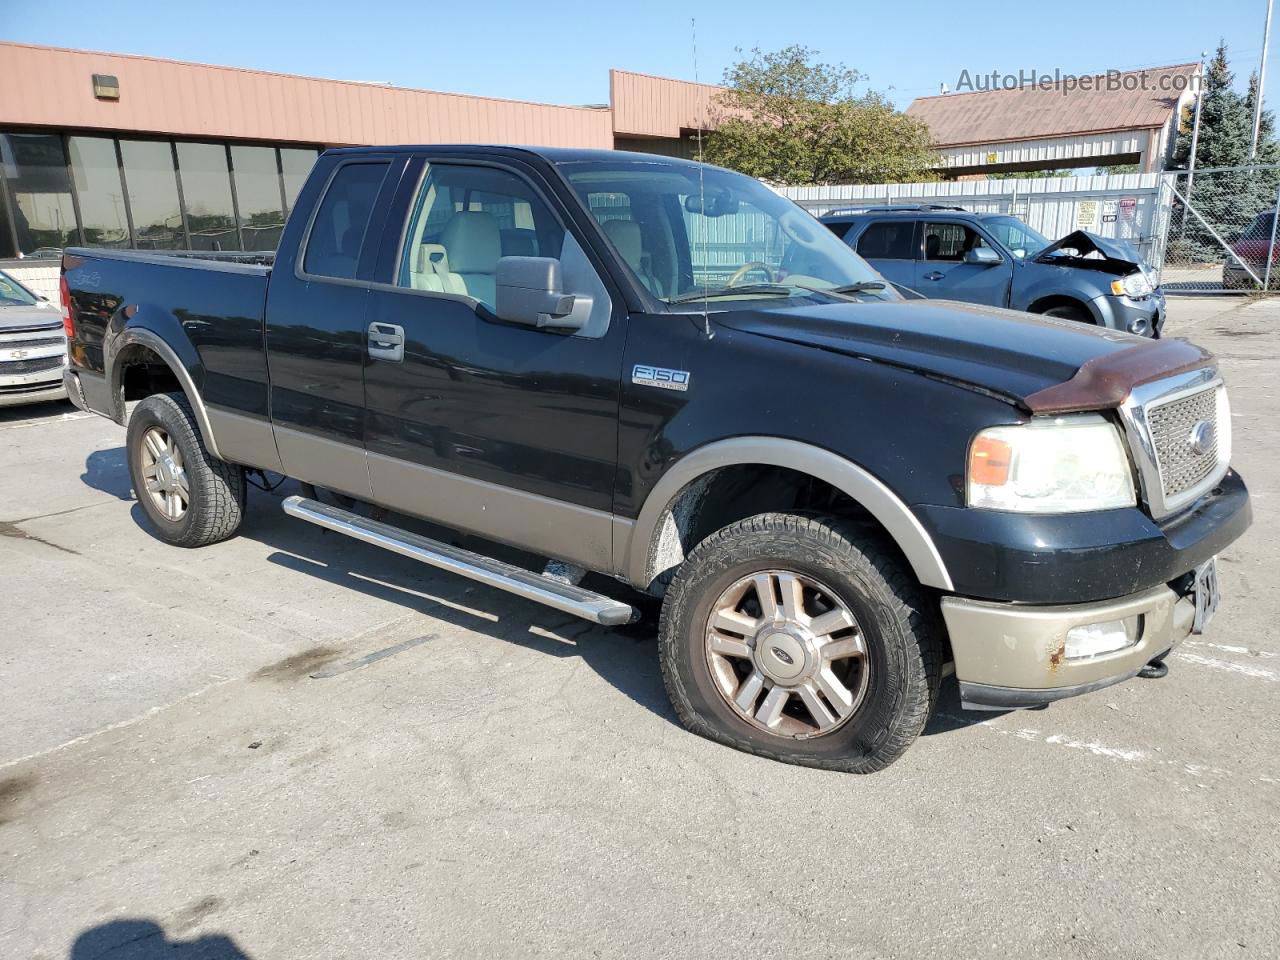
(1206, 595)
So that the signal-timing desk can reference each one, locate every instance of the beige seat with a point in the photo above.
(473, 244)
(625, 236)
(431, 271)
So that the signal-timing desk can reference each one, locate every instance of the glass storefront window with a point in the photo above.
(258, 196)
(296, 165)
(98, 189)
(143, 194)
(206, 191)
(152, 188)
(35, 172)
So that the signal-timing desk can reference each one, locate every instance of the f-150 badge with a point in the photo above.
(660, 377)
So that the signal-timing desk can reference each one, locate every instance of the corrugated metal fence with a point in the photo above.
(1124, 206)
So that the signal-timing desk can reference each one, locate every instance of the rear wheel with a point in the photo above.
(801, 639)
(191, 498)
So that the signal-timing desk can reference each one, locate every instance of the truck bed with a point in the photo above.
(209, 307)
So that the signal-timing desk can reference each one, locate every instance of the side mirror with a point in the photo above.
(982, 257)
(529, 291)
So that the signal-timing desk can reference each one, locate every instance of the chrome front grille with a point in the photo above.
(1171, 425)
(1179, 432)
(39, 365)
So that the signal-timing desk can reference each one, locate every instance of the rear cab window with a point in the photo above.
(338, 230)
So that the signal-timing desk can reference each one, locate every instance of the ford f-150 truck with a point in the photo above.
(667, 374)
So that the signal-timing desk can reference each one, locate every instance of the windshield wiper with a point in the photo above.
(742, 289)
(845, 291)
(862, 286)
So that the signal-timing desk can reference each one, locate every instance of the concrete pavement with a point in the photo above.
(512, 782)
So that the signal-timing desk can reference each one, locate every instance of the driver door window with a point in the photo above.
(465, 219)
(947, 242)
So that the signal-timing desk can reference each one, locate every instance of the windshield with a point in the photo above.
(1016, 236)
(688, 232)
(12, 294)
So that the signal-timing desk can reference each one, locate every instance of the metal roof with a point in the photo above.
(1036, 112)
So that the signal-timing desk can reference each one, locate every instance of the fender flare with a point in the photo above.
(141, 336)
(843, 474)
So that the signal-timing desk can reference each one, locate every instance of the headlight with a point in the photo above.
(1050, 465)
(1135, 285)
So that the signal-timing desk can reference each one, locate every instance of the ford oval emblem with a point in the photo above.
(782, 655)
(1202, 438)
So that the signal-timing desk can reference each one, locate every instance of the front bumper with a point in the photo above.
(1009, 656)
(41, 393)
(1082, 557)
(1144, 317)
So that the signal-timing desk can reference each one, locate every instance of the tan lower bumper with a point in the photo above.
(1007, 655)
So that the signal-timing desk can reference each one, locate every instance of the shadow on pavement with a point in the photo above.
(626, 657)
(146, 940)
(49, 410)
(107, 470)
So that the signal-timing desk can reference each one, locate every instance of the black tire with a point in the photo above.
(216, 488)
(1067, 311)
(901, 632)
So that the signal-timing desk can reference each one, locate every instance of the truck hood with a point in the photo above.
(1117, 256)
(21, 317)
(1005, 352)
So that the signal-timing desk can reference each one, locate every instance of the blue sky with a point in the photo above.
(561, 52)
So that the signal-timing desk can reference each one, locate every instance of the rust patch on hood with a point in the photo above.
(1105, 381)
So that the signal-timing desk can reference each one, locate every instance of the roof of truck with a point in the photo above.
(550, 154)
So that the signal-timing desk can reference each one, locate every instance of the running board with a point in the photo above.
(523, 583)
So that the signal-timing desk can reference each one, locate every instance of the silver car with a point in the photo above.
(33, 346)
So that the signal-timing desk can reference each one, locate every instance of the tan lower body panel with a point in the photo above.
(326, 463)
(548, 527)
(1011, 645)
(245, 440)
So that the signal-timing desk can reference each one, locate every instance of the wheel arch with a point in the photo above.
(136, 345)
(655, 542)
(1049, 301)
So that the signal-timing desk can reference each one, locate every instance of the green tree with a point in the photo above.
(789, 119)
(1030, 175)
(1116, 168)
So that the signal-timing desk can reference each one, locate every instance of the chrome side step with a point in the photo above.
(524, 583)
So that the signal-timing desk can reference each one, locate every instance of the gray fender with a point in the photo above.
(881, 502)
(152, 341)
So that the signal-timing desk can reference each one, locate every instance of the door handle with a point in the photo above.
(934, 275)
(386, 342)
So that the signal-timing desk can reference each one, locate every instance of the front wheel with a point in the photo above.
(801, 639)
(1067, 311)
(191, 498)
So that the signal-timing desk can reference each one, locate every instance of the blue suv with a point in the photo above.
(948, 253)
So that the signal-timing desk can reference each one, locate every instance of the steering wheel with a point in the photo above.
(749, 266)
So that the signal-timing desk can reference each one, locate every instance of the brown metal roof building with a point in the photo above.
(117, 150)
(1128, 117)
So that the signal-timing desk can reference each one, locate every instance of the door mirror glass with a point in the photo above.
(529, 291)
(982, 257)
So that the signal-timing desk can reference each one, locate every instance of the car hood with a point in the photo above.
(1118, 252)
(1005, 352)
(20, 317)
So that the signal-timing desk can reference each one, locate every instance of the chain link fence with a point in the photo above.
(1218, 230)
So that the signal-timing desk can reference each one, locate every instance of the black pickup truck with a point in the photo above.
(667, 374)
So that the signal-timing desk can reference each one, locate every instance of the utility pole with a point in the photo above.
(1262, 71)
